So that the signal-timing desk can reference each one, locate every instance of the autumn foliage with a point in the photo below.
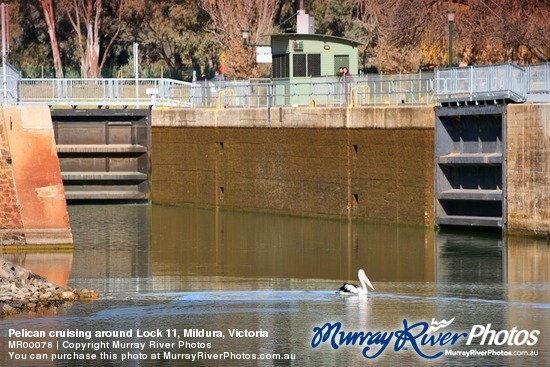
(397, 35)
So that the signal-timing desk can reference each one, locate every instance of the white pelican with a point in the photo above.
(350, 289)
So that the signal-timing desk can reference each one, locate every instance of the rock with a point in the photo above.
(20, 289)
(68, 295)
(86, 294)
(45, 296)
(8, 310)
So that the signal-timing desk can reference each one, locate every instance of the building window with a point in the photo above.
(299, 65)
(314, 64)
(280, 66)
(306, 65)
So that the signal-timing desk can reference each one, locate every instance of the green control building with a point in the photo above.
(304, 61)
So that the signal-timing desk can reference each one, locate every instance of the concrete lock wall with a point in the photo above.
(34, 211)
(371, 163)
(375, 163)
(528, 173)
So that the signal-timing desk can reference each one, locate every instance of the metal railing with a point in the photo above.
(502, 81)
(361, 92)
(327, 91)
(9, 90)
(486, 82)
(104, 92)
(538, 78)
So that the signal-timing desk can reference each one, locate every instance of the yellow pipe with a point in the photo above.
(221, 94)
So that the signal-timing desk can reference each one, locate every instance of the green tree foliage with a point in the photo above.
(181, 35)
(352, 19)
(171, 35)
(30, 47)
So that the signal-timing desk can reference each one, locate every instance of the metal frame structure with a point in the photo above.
(538, 82)
(480, 83)
(448, 85)
(327, 91)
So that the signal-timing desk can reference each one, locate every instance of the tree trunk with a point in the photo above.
(49, 16)
(87, 16)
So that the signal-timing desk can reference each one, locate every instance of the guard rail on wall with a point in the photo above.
(319, 93)
(9, 84)
(241, 93)
(473, 83)
(104, 92)
(538, 78)
(486, 82)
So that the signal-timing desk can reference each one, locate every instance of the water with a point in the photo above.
(180, 269)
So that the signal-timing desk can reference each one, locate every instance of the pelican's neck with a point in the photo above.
(362, 278)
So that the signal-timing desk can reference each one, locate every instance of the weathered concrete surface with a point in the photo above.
(37, 214)
(371, 163)
(298, 117)
(528, 173)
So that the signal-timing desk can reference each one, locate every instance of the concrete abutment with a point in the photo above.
(33, 207)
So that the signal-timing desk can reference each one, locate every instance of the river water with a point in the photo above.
(262, 289)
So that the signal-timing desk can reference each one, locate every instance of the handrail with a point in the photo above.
(481, 82)
(500, 81)
(168, 92)
(355, 89)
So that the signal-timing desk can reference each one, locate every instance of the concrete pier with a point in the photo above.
(528, 173)
(34, 211)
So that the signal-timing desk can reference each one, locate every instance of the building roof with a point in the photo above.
(318, 37)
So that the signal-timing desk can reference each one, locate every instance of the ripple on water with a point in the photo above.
(223, 302)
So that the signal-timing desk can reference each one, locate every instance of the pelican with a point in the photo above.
(350, 289)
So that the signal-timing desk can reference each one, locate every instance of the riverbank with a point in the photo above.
(22, 290)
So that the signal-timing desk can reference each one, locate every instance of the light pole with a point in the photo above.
(451, 19)
(136, 72)
(5, 50)
(245, 33)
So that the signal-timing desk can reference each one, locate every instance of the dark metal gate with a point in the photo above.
(104, 154)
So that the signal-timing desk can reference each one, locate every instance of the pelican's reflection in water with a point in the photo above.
(358, 306)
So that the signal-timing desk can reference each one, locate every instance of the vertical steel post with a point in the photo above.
(136, 72)
(451, 19)
(4, 55)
